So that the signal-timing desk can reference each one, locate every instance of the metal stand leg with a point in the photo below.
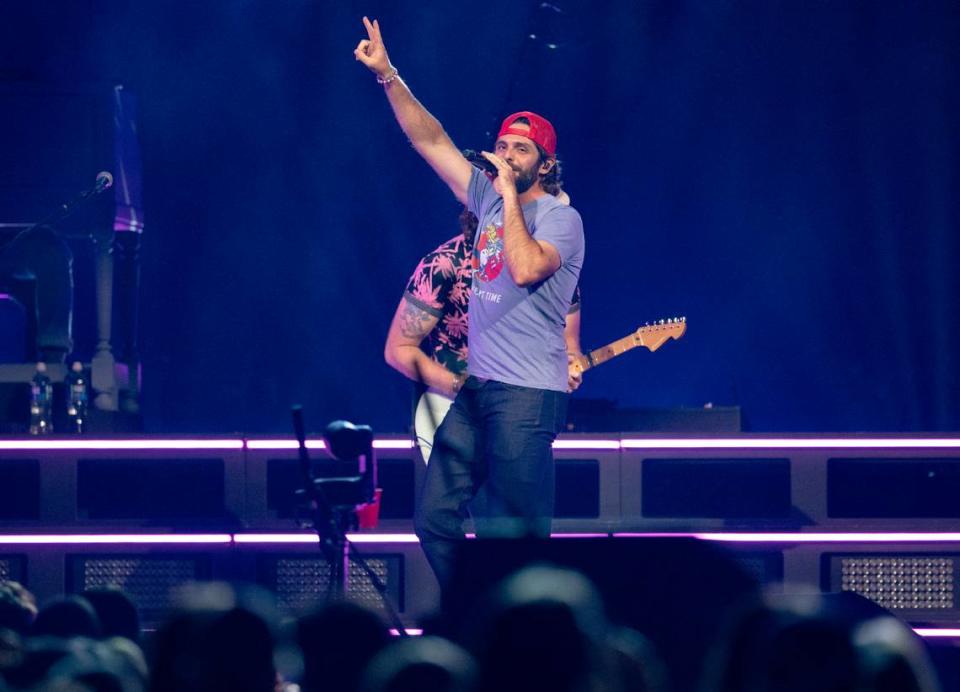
(103, 376)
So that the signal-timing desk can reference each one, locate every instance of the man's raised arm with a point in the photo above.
(422, 129)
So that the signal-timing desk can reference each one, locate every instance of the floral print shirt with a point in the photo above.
(440, 285)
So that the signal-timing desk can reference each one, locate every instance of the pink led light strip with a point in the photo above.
(118, 539)
(680, 443)
(381, 538)
(283, 444)
(860, 537)
(937, 632)
(144, 444)
(301, 538)
(793, 443)
(732, 443)
(319, 444)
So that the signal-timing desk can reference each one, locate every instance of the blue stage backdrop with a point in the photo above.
(783, 174)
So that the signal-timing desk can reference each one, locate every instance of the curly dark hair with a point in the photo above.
(468, 226)
(552, 180)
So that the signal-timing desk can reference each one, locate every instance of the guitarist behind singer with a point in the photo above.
(427, 340)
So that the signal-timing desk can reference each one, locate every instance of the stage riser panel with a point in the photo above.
(597, 490)
(299, 573)
(150, 574)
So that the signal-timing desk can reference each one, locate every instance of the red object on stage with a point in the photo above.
(368, 515)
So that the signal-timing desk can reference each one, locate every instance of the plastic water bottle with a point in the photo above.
(76, 398)
(41, 402)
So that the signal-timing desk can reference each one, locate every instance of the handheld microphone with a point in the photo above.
(477, 160)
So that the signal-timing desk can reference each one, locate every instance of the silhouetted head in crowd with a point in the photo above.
(67, 617)
(800, 642)
(40, 654)
(636, 665)
(18, 608)
(117, 613)
(545, 629)
(892, 658)
(110, 665)
(338, 640)
(55, 663)
(220, 638)
(418, 664)
(11, 650)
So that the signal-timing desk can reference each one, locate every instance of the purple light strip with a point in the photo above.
(319, 444)
(937, 632)
(267, 538)
(379, 538)
(590, 445)
(393, 444)
(792, 443)
(301, 538)
(284, 444)
(118, 539)
(784, 537)
(561, 444)
(383, 538)
(280, 538)
(145, 444)
(255, 538)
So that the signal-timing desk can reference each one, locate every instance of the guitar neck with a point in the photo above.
(611, 350)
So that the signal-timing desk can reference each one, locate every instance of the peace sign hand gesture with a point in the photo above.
(371, 51)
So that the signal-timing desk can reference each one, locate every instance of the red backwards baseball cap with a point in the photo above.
(541, 131)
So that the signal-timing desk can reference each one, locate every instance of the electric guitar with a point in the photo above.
(433, 407)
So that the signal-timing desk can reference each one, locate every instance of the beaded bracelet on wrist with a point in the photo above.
(392, 75)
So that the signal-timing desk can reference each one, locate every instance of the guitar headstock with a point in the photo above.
(655, 335)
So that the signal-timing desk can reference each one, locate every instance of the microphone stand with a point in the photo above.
(104, 182)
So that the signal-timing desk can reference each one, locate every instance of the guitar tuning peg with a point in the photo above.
(661, 321)
(646, 324)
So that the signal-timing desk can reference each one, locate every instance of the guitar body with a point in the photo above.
(432, 408)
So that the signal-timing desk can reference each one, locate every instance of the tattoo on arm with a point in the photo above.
(415, 323)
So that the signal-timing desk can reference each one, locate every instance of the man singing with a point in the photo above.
(427, 340)
(527, 257)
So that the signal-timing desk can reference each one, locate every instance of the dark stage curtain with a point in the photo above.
(784, 174)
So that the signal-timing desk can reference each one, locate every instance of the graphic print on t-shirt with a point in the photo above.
(488, 255)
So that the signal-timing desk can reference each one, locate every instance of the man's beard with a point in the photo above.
(525, 180)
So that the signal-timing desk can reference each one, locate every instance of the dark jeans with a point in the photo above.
(41, 255)
(499, 436)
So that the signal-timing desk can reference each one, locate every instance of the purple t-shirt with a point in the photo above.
(516, 333)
